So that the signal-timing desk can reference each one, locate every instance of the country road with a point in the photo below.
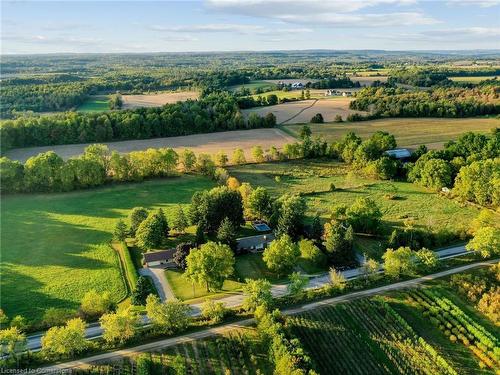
(161, 344)
(94, 330)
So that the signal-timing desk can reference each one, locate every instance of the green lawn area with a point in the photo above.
(186, 291)
(473, 79)
(254, 85)
(50, 253)
(313, 178)
(433, 132)
(96, 103)
(315, 94)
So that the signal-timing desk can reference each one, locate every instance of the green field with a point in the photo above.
(473, 79)
(254, 85)
(313, 179)
(50, 256)
(96, 103)
(408, 132)
(295, 94)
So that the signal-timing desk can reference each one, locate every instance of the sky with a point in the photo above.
(33, 27)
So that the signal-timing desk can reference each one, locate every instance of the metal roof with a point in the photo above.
(399, 153)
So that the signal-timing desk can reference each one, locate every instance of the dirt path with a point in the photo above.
(299, 112)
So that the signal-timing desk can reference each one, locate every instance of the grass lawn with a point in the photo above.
(315, 94)
(96, 103)
(474, 79)
(186, 291)
(254, 85)
(312, 178)
(50, 253)
(433, 132)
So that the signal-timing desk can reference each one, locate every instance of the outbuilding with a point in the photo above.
(163, 258)
(399, 153)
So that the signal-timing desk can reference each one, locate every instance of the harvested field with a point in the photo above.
(472, 79)
(302, 111)
(411, 132)
(210, 143)
(157, 100)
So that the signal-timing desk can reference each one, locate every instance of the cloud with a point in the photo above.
(59, 40)
(228, 28)
(325, 13)
(269, 8)
(479, 3)
(452, 35)
(360, 20)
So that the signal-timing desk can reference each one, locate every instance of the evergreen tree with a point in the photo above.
(226, 233)
(120, 232)
(136, 217)
(200, 235)
(141, 292)
(152, 231)
(180, 221)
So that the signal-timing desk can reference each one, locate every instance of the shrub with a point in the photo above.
(317, 119)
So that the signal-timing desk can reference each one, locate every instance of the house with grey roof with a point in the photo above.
(163, 258)
(254, 244)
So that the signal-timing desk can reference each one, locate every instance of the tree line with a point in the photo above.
(439, 102)
(215, 112)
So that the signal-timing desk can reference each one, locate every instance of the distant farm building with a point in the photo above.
(297, 85)
(399, 153)
(331, 92)
(254, 243)
(163, 258)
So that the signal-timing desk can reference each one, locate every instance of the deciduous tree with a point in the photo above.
(281, 255)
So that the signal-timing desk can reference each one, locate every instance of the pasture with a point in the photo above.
(293, 94)
(472, 79)
(96, 103)
(254, 85)
(51, 254)
(313, 178)
(157, 99)
(301, 112)
(210, 143)
(409, 132)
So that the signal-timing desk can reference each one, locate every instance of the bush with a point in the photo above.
(317, 119)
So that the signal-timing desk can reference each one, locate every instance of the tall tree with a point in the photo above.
(153, 231)
(281, 255)
(120, 231)
(179, 221)
(171, 316)
(136, 217)
(120, 326)
(257, 293)
(211, 264)
(65, 341)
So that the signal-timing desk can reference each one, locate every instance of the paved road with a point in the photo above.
(161, 344)
(277, 290)
(157, 274)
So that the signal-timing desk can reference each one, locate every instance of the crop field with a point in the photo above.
(365, 337)
(96, 103)
(51, 254)
(302, 111)
(409, 132)
(446, 320)
(239, 352)
(472, 79)
(210, 143)
(314, 177)
(157, 100)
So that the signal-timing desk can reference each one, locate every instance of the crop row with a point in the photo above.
(366, 336)
(458, 326)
